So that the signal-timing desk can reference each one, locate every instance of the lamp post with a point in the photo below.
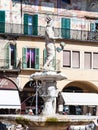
(37, 89)
(21, 13)
(37, 97)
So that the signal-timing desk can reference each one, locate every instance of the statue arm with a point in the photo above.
(50, 34)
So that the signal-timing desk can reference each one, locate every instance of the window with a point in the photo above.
(93, 30)
(94, 26)
(30, 58)
(95, 60)
(66, 1)
(87, 60)
(67, 58)
(91, 60)
(30, 28)
(30, 24)
(75, 59)
(10, 55)
(71, 59)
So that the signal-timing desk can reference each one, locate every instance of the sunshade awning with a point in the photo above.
(9, 99)
(80, 98)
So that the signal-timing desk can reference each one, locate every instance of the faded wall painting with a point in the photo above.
(92, 5)
(73, 4)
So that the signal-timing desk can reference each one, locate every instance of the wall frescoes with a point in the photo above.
(92, 5)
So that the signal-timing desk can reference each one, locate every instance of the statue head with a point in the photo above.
(48, 19)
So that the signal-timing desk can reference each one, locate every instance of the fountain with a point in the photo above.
(48, 119)
(48, 89)
(49, 76)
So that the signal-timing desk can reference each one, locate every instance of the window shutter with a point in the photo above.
(36, 58)
(25, 23)
(92, 26)
(44, 56)
(66, 58)
(24, 60)
(7, 56)
(95, 60)
(2, 21)
(35, 24)
(75, 59)
(15, 55)
(65, 27)
(87, 60)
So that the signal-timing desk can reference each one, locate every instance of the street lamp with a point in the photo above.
(36, 98)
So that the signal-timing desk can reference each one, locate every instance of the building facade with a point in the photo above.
(22, 44)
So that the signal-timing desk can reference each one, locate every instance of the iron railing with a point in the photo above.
(8, 64)
(5, 64)
(70, 34)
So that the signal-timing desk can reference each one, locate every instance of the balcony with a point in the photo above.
(17, 30)
(6, 65)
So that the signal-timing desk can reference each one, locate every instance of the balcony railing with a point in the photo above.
(5, 64)
(18, 29)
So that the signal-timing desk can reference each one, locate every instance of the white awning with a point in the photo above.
(9, 99)
(80, 98)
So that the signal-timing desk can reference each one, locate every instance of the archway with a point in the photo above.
(80, 87)
(85, 86)
(9, 96)
(28, 98)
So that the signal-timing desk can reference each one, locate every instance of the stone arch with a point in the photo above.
(6, 83)
(85, 86)
(81, 87)
(9, 90)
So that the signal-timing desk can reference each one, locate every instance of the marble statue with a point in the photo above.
(49, 44)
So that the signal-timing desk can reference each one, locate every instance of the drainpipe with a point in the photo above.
(21, 14)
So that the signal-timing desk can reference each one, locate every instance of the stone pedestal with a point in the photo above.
(49, 105)
(48, 89)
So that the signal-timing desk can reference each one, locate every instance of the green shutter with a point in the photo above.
(92, 27)
(35, 24)
(44, 56)
(24, 60)
(7, 56)
(2, 21)
(36, 58)
(15, 55)
(25, 23)
(65, 28)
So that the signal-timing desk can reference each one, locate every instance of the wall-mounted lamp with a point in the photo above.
(59, 49)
